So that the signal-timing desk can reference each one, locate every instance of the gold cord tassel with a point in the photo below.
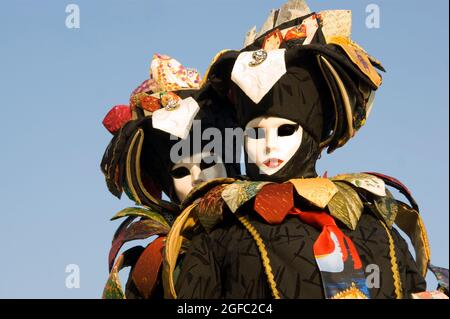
(394, 265)
(264, 256)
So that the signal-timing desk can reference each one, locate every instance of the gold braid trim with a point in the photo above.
(345, 99)
(138, 168)
(137, 164)
(264, 256)
(330, 138)
(394, 265)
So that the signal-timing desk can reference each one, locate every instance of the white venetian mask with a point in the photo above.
(270, 142)
(191, 171)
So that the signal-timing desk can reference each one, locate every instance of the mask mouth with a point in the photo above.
(273, 162)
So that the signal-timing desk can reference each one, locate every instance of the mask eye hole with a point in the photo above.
(208, 162)
(180, 172)
(256, 133)
(287, 129)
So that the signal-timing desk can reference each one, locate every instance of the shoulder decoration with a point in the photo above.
(318, 191)
(145, 262)
(238, 193)
(344, 197)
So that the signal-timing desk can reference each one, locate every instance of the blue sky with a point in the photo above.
(57, 84)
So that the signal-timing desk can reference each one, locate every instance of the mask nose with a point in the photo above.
(271, 140)
(196, 176)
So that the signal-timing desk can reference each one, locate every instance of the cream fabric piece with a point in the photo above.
(291, 10)
(171, 75)
(256, 81)
(177, 122)
(250, 36)
(336, 23)
(368, 182)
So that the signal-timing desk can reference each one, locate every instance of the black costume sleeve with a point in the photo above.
(412, 280)
(199, 277)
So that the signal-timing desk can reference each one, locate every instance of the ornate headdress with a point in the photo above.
(137, 159)
(317, 43)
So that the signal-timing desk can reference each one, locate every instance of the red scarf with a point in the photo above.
(331, 249)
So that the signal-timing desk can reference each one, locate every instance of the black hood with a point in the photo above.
(299, 96)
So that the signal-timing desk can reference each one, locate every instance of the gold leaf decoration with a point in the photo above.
(209, 208)
(346, 205)
(386, 207)
(238, 193)
(409, 221)
(201, 189)
(318, 191)
(359, 57)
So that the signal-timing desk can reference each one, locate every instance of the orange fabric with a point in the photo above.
(274, 201)
(297, 32)
(146, 270)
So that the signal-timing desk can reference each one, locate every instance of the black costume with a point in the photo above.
(256, 250)
(138, 161)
